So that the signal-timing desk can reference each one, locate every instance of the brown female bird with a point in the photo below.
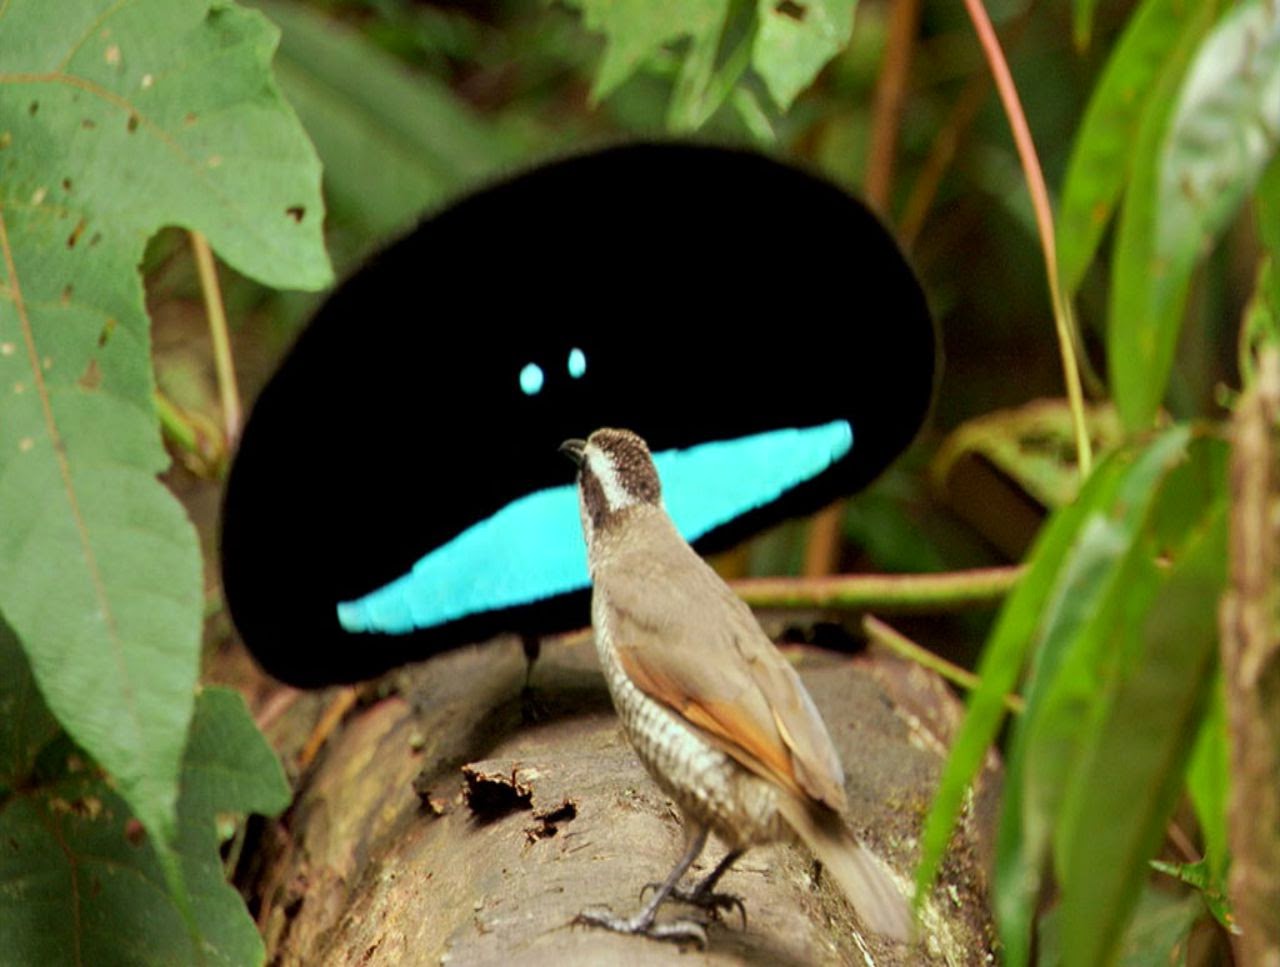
(712, 708)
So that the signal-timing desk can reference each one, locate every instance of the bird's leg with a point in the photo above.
(702, 894)
(531, 709)
(645, 921)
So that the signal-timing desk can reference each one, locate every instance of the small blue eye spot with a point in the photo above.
(531, 379)
(577, 363)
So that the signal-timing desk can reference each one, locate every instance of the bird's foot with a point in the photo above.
(704, 898)
(645, 924)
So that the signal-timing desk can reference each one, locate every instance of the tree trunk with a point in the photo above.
(456, 819)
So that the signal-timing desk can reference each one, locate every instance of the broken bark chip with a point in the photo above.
(492, 793)
(549, 820)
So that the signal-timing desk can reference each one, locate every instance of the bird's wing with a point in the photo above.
(685, 639)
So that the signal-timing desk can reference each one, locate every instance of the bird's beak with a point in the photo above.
(573, 450)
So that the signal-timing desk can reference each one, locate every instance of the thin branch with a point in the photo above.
(884, 592)
(228, 392)
(1062, 311)
(904, 647)
(941, 154)
(891, 92)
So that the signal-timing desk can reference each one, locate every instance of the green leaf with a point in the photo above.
(1135, 747)
(1002, 661)
(1082, 22)
(1261, 325)
(1099, 578)
(1212, 892)
(1146, 303)
(117, 118)
(635, 30)
(1103, 148)
(83, 883)
(1208, 782)
(1267, 199)
(1222, 135)
(691, 106)
(1157, 937)
(392, 143)
(796, 39)
(228, 766)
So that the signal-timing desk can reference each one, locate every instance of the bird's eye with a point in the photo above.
(577, 363)
(531, 379)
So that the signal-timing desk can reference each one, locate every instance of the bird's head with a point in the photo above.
(615, 473)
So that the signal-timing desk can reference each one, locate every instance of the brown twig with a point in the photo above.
(343, 702)
(884, 592)
(891, 92)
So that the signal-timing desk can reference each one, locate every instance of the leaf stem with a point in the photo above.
(217, 313)
(1063, 316)
(884, 592)
(904, 647)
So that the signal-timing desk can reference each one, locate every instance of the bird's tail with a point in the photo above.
(880, 904)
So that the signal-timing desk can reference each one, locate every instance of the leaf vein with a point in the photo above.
(64, 469)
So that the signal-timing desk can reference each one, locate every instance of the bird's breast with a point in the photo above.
(709, 785)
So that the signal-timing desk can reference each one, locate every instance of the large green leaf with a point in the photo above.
(1135, 746)
(81, 882)
(1099, 578)
(1194, 175)
(117, 118)
(795, 40)
(1102, 152)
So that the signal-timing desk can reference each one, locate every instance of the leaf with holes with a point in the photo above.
(83, 882)
(796, 39)
(635, 30)
(117, 118)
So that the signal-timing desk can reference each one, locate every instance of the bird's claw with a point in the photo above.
(714, 903)
(680, 931)
(708, 900)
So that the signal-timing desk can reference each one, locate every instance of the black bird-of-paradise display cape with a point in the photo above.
(398, 489)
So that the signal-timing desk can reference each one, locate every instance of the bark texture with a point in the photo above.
(1251, 667)
(452, 819)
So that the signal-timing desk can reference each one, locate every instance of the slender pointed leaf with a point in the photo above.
(1135, 750)
(1208, 782)
(1003, 658)
(1101, 577)
(1141, 328)
(1101, 155)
